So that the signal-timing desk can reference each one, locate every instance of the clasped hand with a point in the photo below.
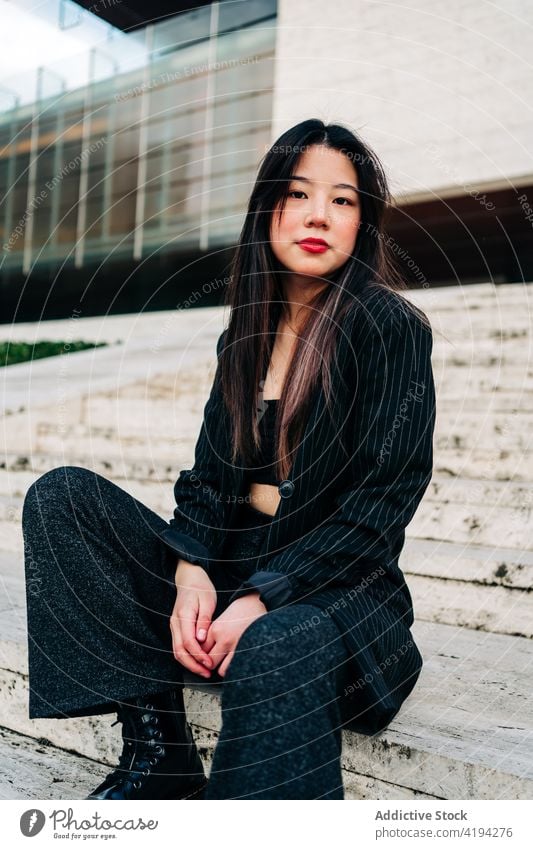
(199, 643)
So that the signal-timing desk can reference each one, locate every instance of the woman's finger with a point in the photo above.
(188, 619)
(180, 652)
(203, 623)
(225, 663)
(217, 653)
(209, 641)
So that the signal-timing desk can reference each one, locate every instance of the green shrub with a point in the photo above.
(23, 352)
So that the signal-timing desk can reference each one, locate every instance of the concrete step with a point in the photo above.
(485, 588)
(499, 431)
(107, 443)
(482, 311)
(467, 713)
(453, 519)
(463, 522)
(510, 324)
(455, 329)
(36, 770)
(480, 512)
(498, 465)
(476, 586)
(186, 343)
(162, 427)
(455, 456)
(484, 405)
(117, 468)
(497, 610)
(495, 464)
(482, 566)
(487, 353)
(132, 431)
(41, 771)
(95, 738)
(459, 297)
(516, 379)
(442, 491)
(456, 297)
(464, 733)
(464, 551)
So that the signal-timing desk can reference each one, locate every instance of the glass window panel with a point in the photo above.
(185, 125)
(94, 218)
(22, 162)
(124, 177)
(69, 188)
(154, 167)
(99, 151)
(70, 157)
(48, 125)
(195, 165)
(179, 162)
(41, 225)
(126, 144)
(67, 227)
(193, 202)
(172, 33)
(96, 183)
(122, 215)
(128, 111)
(19, 194)
(232, 15)
(177, 194)
(161, 100)
(247, 49)
(152, 202)
(159, 133)
(5, 138)
(45, 165)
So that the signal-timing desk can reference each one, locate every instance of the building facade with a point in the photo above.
(126, 190)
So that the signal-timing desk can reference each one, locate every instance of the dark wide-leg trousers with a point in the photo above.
(100, 590)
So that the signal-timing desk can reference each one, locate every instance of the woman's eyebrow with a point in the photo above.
(336, 186)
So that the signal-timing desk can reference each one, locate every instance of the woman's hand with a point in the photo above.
(225, 632)
(191, 616)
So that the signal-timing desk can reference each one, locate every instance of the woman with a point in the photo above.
(278, 575)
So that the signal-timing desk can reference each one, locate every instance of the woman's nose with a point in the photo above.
(317, 215)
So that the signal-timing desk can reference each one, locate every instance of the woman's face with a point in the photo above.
(318, 207)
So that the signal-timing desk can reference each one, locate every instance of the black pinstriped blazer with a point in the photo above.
(357, 476)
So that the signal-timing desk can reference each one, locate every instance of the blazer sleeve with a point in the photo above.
(197, 530)
(393, 419)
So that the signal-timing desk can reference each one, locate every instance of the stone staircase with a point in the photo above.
(466, 732)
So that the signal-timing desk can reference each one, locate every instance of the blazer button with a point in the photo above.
(286, 489)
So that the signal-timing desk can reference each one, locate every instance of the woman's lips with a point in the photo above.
(313, 247)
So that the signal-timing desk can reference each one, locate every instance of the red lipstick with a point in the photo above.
(314, 246)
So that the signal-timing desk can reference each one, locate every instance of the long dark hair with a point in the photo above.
(256, 298)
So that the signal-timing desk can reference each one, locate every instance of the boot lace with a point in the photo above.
(141, 751)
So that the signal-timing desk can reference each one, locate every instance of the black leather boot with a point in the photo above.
(159, 759)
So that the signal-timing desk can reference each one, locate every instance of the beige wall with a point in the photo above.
(456, 76)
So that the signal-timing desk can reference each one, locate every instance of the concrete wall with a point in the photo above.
(443, 91)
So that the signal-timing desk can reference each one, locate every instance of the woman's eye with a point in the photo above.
(299, 192)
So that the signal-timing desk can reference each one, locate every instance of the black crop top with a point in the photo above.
(263, 471)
